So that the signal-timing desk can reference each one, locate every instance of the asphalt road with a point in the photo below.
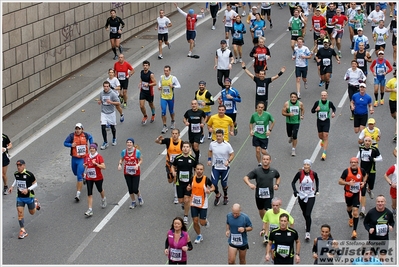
(61, 234)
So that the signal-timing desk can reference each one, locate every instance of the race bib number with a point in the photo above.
(121, 76)
(195, 128)
(184, 176)
(236, 239)
(81, 150)
(258, 33)
(260, 129)
(358, 25)
(264, 192)
(366, 155)
(338, 27)
(166, 90)
(175, 254)
(228, 104)
(360, 62)
(381, 229)
(219, 163)
(21, 184)
(91, 173)
(294, 110)
(261, 90)
(261, 57)
(196, 201)
(380, 71)
(283, 250)
(228, 22)
(105, 98)
(317, 25)
(307, 188)
(114, 29)
(355, 188)
(380, 38)
(172, 157)
(145, 86)
(131, 170)
(322, 115)
(326, 62)
(294, 32)
(236, 35)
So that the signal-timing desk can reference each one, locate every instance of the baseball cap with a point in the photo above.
(381, 53)
(326, 41)
(191, 11)
(202, 82)
(371, 121)
(362, 85)
(227, 79)
(354, 159)
(21, 161)
(358, 8)
(318, 9)
(322, 32)
(254, 7)
(79, 125)
(360, 29)
(223, 42)
(130, 139)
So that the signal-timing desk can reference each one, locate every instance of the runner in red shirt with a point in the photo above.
(123, 71)
(318, 24)
(339, 21)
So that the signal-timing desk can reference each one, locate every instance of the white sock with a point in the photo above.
(78, 193)
(293, 148)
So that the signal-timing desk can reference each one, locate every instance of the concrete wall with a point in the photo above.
(44, 42)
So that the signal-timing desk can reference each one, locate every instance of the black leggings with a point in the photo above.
(132, 182)
(351, 91)
(90, 185)
(222, 75)
(104, 132)
(307, 210)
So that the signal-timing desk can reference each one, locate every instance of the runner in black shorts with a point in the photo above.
(324, 57)
(116, 24)
(194, 119)
(182, 172)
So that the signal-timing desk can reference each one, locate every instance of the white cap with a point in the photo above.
(79, 125)
(362, 85)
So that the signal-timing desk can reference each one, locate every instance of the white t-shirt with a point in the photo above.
(229, 15)
(220, 154)
(163, 24)
(376, 15)
(381, 33)
(298, 52)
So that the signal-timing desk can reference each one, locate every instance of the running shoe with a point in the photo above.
(133, 205)
(321, 83)
(339, 54)
(189, 54)
(185, 220)
(217, 200)
(323, 156)
(104, 146)
(382, 102)
(259, 164)
(172, 125)
(225, 200)
(176, 200)
(77, 198)
(144, 120)
(354, 234)
(306, 85)
(265, 239)
(290, 139)
(141, 201)
(5, 190)
(89, 213)
(243, 13)
(121, 100)
(235, 61)
(122, 119)
(104, 203)
(202, 139)
(124, 105)
(198, 239)
(307, 236)
(352, 118)
(114, 141)
(376, 103)
(394, 64)
(115, 57)
(362, 212)
(37, 204)
(207, 224)
(120, 49)
(160, 57)
(293, 153)
(240, 60)
(213, 27)
(350, 222)
(209, 136)
(152, 118)
(271, 26)
(169, 45)
(235, 131)
(22, 234)
(164, 129)
(371, 194)
(299, 95)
